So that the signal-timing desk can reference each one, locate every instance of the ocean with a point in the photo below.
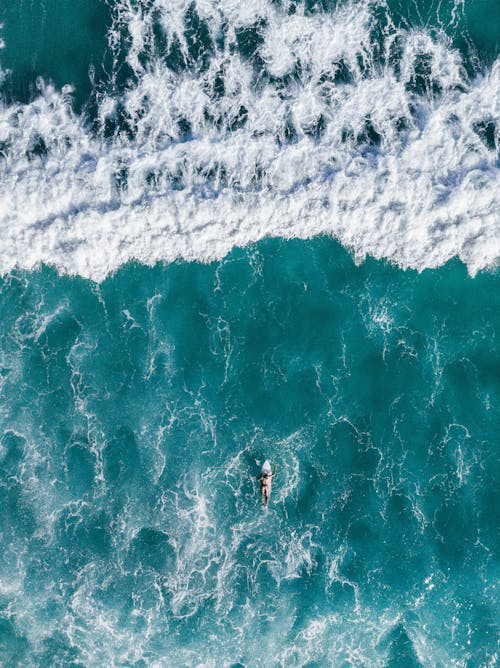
(239, 231)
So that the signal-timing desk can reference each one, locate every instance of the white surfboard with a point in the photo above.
(266, 468)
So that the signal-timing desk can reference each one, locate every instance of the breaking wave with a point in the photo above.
(220, 123)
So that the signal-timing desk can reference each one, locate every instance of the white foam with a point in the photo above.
(422, 196)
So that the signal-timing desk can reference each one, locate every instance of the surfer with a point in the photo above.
(266, 480)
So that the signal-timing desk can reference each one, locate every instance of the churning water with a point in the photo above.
(212, 214)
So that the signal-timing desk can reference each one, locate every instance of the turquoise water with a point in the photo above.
(234, 232)
(54, 39)
(134, 416)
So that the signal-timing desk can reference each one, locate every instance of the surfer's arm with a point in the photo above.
(275, 468)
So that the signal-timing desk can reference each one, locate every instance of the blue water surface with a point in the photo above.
(135, 414)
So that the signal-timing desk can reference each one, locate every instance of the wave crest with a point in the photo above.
(241, 121)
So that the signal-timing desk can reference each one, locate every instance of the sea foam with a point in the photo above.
(264, 123)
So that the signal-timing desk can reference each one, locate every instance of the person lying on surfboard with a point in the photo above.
(266, 480)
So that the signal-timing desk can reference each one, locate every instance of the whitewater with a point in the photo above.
(238, 231)
(240, 121)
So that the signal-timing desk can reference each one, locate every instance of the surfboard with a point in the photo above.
(266, 468)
